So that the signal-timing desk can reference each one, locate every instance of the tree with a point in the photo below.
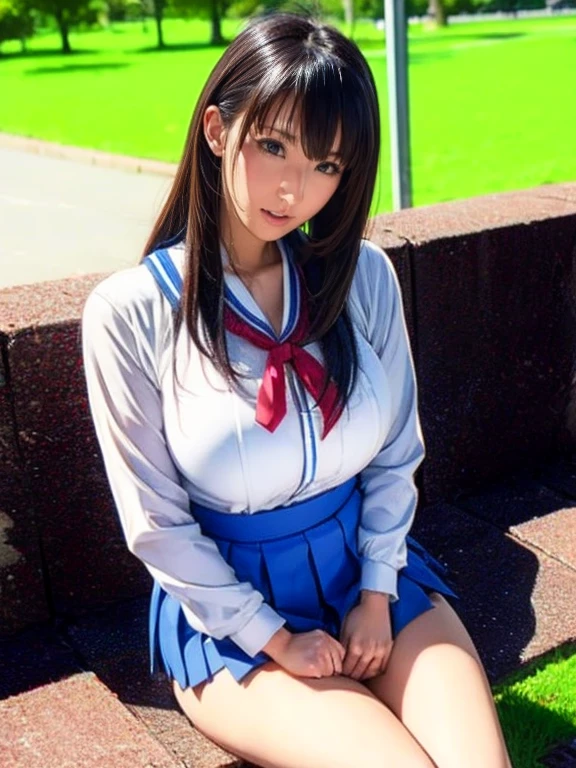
(437, 10)
(211, 9)
(16, 21)
(67, 13)
(159, 6)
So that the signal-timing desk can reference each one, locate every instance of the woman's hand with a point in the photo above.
(306, 654)
(367, 637)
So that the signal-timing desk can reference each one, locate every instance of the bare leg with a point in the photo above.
(279, 721)
(436, 686)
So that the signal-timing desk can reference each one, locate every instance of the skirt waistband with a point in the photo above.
(274, 523)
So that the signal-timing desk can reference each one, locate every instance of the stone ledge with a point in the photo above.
(462, 218)
(494, 354)
(77, 722)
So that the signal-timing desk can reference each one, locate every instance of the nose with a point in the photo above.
(292, 187)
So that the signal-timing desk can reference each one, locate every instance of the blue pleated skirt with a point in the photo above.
(304, 560)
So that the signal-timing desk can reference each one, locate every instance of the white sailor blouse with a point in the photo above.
(172, 434)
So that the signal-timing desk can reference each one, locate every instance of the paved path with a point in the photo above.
(60, 217)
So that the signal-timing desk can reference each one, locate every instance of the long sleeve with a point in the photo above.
(153, 507)
(387, 482)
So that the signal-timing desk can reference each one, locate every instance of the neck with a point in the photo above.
(248, 255)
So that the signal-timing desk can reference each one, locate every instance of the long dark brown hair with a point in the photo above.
(278, 59)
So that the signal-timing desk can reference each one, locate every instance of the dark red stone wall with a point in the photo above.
(75, 521)
(488, 287)
(22, 595)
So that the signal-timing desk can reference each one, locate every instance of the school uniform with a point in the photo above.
(245, 525)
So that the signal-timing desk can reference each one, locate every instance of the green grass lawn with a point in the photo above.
(537, 706)
(493, 104)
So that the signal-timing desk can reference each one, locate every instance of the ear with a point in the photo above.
(214, 130)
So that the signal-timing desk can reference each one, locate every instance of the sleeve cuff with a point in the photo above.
(380, 577)
(257, 632)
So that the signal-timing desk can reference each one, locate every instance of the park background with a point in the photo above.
(492, 96)
(492, 104)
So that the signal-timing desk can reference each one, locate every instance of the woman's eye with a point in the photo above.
(272, 147)
(330, 169)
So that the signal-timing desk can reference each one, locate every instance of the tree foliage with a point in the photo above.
(16, 21)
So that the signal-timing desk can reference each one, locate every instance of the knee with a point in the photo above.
(392, 755)
(408, 761)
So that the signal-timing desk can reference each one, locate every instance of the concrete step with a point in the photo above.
(82, 696)
(77, 722)
(80, 693)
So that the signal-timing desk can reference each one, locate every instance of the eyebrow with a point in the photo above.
(292, 139)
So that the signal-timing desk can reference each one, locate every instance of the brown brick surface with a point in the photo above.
(75, 722)
(480, 214)
(554, 534)
(22, 596)
(494, 345)
(114, 643)
(82, 543)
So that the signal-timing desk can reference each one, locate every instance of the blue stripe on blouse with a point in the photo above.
(294, 299)
(157, 262)
(171, 270)
(246, 315)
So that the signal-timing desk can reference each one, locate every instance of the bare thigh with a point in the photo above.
(436, 686)
(279, 721)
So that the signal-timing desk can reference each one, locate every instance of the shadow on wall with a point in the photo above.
(488, 288)
(494, 578)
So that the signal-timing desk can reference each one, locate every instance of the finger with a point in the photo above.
(374, 669)
(386, 658)
(336, 662)
(354, 653)
(327, 658)
(350, 661)
(324, 664)
(361, 666)
(339, 648)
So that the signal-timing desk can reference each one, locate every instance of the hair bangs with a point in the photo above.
(318, 97)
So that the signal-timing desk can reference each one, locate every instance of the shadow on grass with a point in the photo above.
(40, 53)
(179, 47)
(369, 45)
(449, 36)
(76, 68)
(414, 57)
(531, 730)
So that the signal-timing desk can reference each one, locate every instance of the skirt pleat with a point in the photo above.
(294, 589)
(337, 577)
(304, 560)
(196, 667)
(248, 565)
(214, 658)
(172, 636)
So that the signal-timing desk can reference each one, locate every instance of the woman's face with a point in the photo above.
(273, 187)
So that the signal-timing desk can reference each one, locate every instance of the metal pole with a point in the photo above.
(397, 67)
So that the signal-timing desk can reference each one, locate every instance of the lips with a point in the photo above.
(274, 218)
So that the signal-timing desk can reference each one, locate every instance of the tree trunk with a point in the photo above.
(64, 30)
(216, 37)
(437, 11)
(158, 15)
(349, 13)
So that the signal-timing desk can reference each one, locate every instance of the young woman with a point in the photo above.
(253, 395)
